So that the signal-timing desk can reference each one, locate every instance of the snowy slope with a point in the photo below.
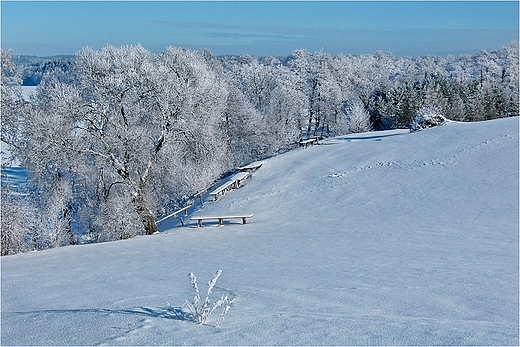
(385, 238)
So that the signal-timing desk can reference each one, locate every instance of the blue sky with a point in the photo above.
(261, 28)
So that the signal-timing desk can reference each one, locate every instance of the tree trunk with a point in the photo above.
(149, 223)
(147, 219)
(67, 212)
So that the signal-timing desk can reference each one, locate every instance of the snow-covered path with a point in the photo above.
(384, 238)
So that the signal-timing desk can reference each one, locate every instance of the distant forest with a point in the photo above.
(34, 67)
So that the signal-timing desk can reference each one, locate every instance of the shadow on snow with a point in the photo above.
(368, 137)
(175, 313)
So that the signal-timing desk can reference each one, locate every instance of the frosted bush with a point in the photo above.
(426, 118)
(200, 311)
(357, 118)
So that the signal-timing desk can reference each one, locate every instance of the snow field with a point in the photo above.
(388, 238)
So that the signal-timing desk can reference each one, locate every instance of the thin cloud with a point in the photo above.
(257, 40)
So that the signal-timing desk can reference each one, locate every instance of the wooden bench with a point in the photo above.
(220, 219)
(311, 141)
(233, 183)
(250, 167)
(185, 209)
(222, 189)
(238, 178)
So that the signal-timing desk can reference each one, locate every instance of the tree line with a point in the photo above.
(33, 68)
(122, 136)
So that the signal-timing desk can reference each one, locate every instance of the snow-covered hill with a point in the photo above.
(388, 238)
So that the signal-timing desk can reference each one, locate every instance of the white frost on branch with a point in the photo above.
(200, 311)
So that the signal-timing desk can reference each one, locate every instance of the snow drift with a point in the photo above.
(383, 238)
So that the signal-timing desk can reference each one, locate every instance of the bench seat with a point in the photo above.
(221, 190)
(233, 183)
(220, 219)
(311, 141)
(251, 167)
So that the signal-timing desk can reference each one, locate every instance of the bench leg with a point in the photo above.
(220, 221)
(243, 220)
(199, 223)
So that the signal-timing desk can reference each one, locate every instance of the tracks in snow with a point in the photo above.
(447, 160)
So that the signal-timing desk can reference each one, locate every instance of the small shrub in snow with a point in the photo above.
(426, 118)
(199, 310)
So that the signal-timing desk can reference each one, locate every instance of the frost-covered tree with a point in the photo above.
(12, 101)
(19, 224)
(267, 105)
(510, 74)
(324, 92)
(357, 118)
(126, 133)
(48, 129)
(286, 108)
(19, 218)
